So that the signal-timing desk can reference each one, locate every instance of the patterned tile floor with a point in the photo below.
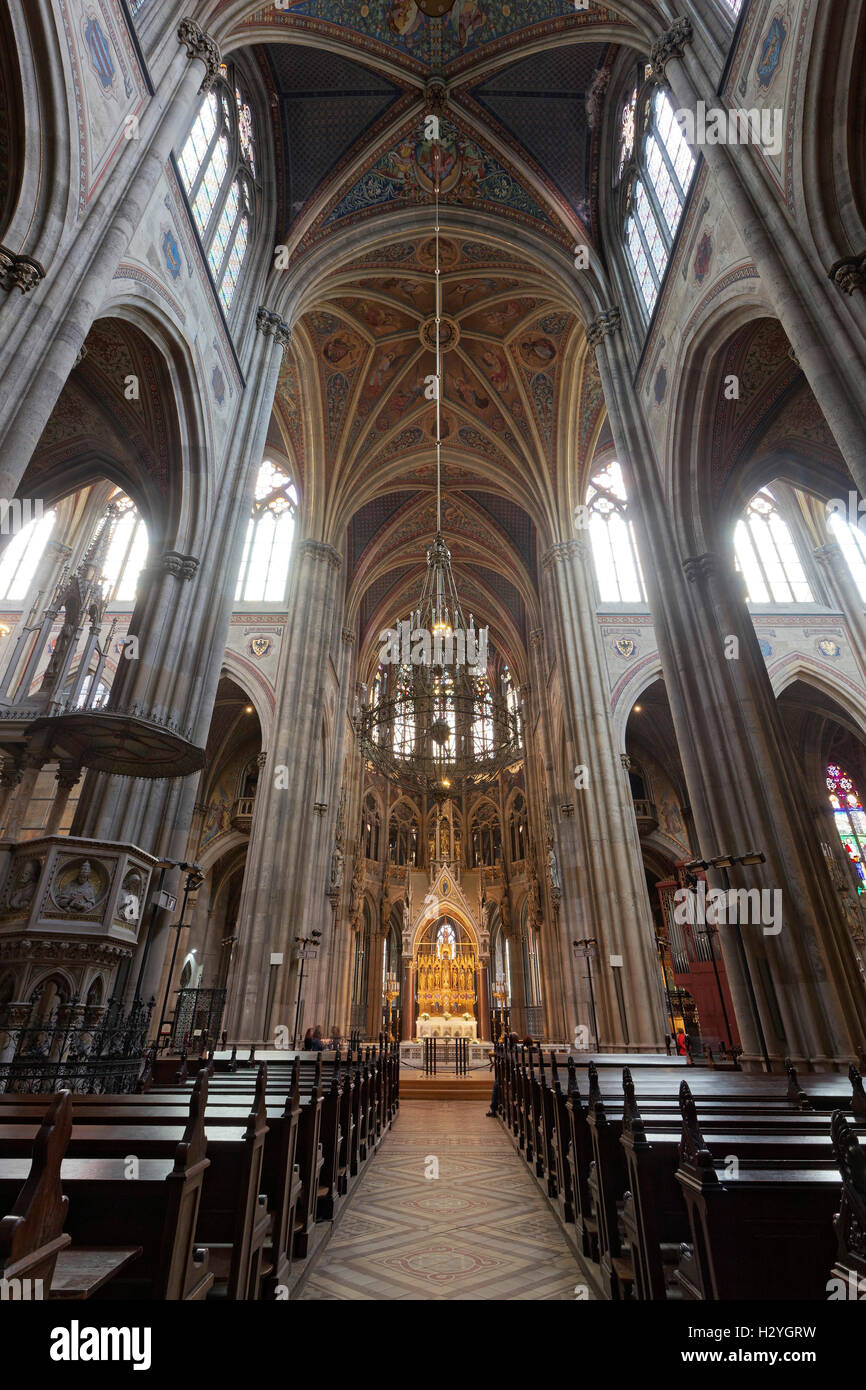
(481, 1229)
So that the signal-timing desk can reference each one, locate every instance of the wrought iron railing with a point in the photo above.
(76, 1047)
(198, 1015)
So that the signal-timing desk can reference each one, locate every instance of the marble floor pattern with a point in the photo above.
(480, 1230)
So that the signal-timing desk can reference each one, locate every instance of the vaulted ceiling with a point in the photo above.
(513, 86)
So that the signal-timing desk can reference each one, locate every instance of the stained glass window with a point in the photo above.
(217, 165)
(268, 545)
(222, 235)
(614, 549)
(767, 557)
(211, 184)
(245, 130)
(482, 727)
(657, 197)
(849, 817)
(626, 135)
(233, 265)
(192, 156)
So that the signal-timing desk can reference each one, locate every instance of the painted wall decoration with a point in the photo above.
(400, 26)
(107, 82)
(771, 51)
(703, 258)
(471, 177)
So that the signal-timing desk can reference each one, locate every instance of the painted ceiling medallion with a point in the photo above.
(434, 9)
(449, 333)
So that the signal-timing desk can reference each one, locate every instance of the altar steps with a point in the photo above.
(441, 1087)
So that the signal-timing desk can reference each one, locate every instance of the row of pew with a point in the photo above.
(212, 1181)
(677, 1182)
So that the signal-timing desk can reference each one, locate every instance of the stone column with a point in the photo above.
(607, 887)
(67, 777)
(374, 983)
(30, 769)
(407, 999)
(278, 861)
(33, 375)
(483, 1004)
(559, 997)
(743, 783)
(10, 778)
(816, 316)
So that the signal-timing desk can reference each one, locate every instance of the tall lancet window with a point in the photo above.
(268, 546)
(656, 167)
(611, 532)
(217, 165)
(22, 555)
(767, 556)
(127, 551)
(849, 817)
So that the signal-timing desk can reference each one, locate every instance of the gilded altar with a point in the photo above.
(446, 981)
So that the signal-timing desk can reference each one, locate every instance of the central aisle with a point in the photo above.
(480, 1230)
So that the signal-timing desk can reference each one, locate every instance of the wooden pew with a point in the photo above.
(849, 1223)
(157, 1211)
(32, 1235)
(766, 1235)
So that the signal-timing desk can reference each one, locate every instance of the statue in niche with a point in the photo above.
(24, 887)
(61, 646)
(357, 891)
(385, 911)
(505, 911)
(129, 904)
(553, 870)
(534, 901)
(78, 895)
(407, 915)
(336, 878)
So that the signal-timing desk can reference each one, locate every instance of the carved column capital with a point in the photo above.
(181, 566)
(849, 273)
(67, 776)
(536, 637)
(19, 272)
(274, 327)
(699, 569)
(564, 552)
(200, 45)
(670, 45)
(318, 550)
(607, 322)
(348, 635)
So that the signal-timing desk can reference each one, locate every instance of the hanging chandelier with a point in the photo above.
(434, 722)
